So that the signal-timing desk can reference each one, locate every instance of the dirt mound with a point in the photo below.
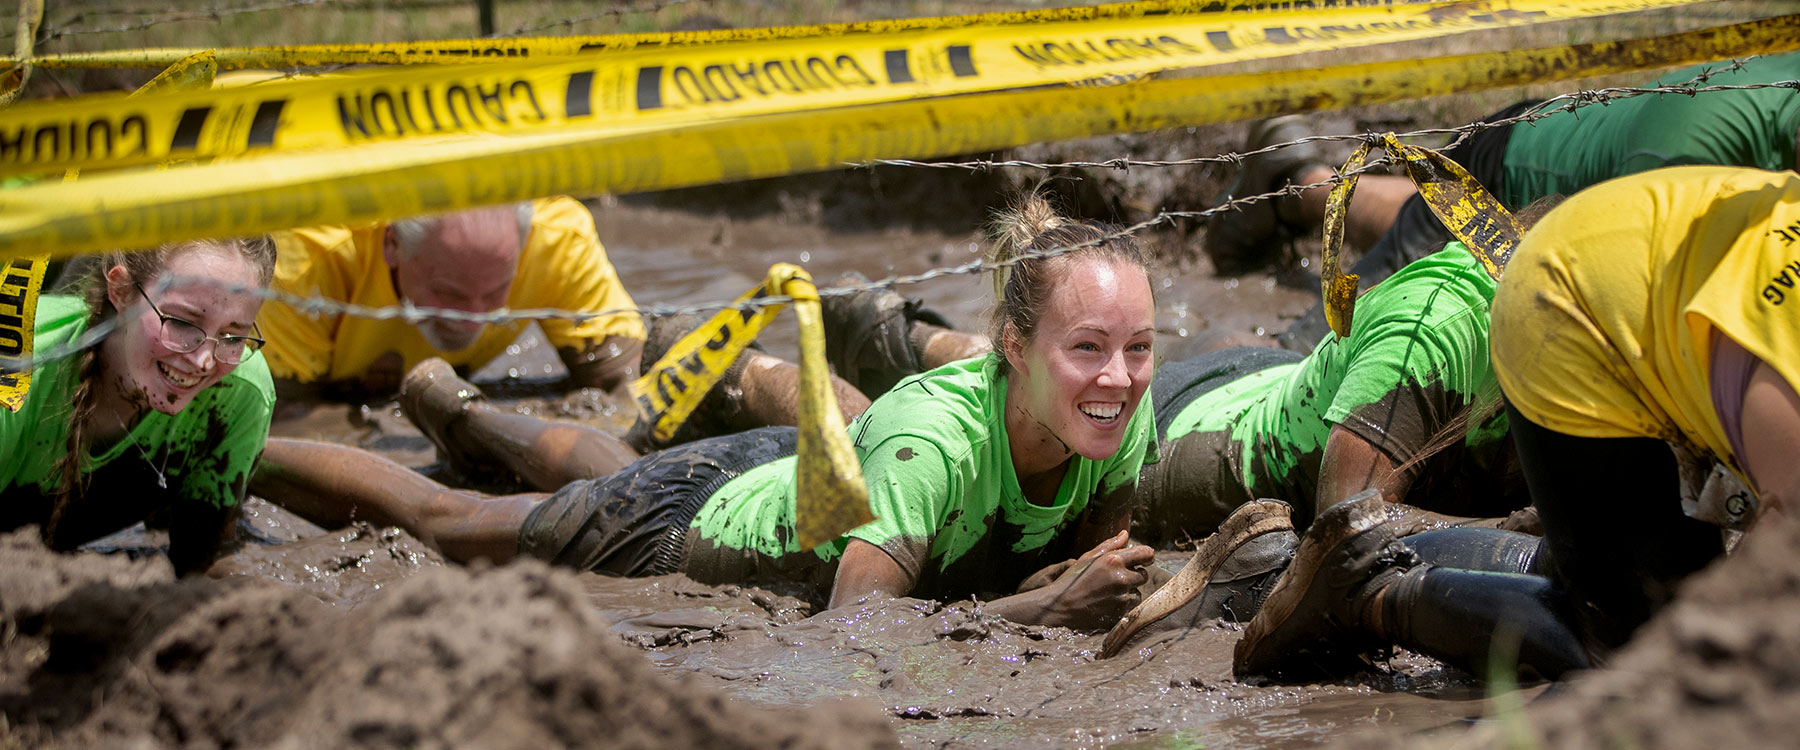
(1719, 668)
(103, 652)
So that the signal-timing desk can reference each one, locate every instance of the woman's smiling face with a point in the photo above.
(142, 365)
(1084, 373)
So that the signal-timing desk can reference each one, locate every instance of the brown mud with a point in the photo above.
(365, 637)
(102, 651)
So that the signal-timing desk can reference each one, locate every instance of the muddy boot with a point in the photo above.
(868, 335)
(1248, 237)
(1226, 578)
(434, 398)
(662, 334)
(1326, 611)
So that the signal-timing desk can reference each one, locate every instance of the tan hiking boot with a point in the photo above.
(1247, 238)
(1226, 578)
(1323, 615)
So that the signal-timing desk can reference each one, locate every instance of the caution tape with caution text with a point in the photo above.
(680, 87)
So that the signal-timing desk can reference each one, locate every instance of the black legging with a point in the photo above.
(1616, 544)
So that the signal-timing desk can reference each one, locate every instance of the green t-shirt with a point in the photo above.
(1416, 358)
(949, 509)
(197, 459)
(1568, 151)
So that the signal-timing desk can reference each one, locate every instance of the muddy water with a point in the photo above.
(948, 674)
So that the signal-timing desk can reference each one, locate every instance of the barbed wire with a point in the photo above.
(609, 13)
(67, 28)
(1546, 108)
(407, 312)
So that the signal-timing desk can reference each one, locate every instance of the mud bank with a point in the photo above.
(101, 651)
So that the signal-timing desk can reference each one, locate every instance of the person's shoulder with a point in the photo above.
(950, 404)
(249, 384)
(560, 215)
(307, 252)
(1447, 282)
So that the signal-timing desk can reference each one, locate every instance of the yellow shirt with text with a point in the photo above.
(562, 266)
(1603, 323)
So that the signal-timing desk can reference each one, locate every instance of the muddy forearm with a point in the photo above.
(331, 485)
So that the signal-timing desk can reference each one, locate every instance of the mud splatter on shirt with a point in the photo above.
(1416, 360)
(195, 462)
(949, 508)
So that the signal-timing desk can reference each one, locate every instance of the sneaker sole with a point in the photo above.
(1333, 527)
(1252, 520)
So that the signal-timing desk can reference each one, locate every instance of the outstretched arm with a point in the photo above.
(1092, 593)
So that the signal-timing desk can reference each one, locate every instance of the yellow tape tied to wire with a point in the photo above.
(12, 80)
(669, 88)
(140, 208)
(1466, 208)
(20, 281)
(831, 498)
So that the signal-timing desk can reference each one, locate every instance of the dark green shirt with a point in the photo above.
(1568, 151)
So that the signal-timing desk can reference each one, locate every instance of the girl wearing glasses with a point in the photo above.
(163, 418)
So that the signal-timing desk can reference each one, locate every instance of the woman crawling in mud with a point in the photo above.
(1638, 336)
(165, 417)
(1407, 405)
(988, 475)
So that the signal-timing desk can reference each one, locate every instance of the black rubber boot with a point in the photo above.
(1482, 621)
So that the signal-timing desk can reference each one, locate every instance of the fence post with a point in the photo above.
(485, 9)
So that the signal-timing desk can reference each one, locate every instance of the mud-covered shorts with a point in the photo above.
(1196, 484)
(635, 521)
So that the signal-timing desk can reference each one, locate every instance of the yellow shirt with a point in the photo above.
(562, 266)
(1603, 322)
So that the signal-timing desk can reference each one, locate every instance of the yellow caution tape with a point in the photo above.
(1338, 289)
(831, 496)
(191, 73)
(144, 208)
(669, 390)
(486, 50)
(20, 281)
(12, 81)
(1472, 215)
(666, 88)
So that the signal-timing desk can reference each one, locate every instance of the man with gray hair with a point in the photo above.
(536, 254)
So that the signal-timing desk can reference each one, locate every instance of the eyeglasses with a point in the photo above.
(183, 337)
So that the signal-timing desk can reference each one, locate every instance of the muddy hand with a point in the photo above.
(1101, 586)
(1052, 572)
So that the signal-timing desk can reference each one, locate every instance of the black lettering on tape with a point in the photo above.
(490, 101)
(264, 123)
(451, 95)
(649, 88)
(961, 63)
(575, 99)
(96, 131)
(899, 66)
(187, 130)
(529, 95)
